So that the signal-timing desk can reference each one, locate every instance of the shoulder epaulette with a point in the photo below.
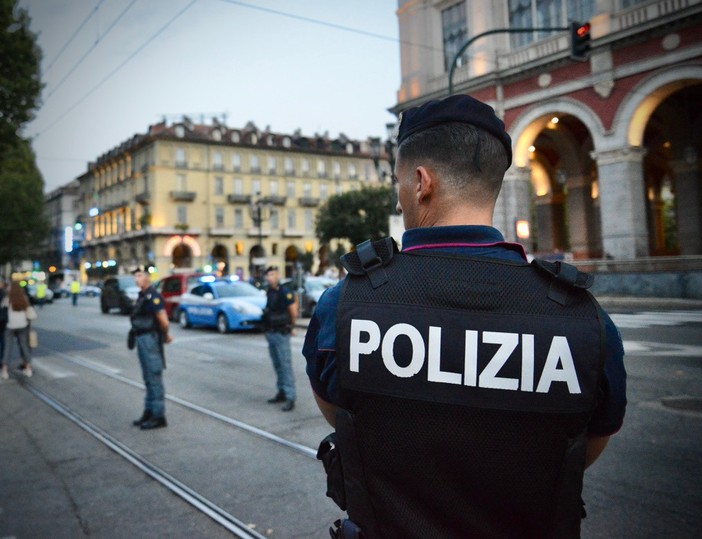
(564, 277)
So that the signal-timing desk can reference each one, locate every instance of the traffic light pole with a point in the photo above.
(496, 31)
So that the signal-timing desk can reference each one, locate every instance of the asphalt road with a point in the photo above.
(60, 480)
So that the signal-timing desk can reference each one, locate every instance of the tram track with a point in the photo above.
(199, 502)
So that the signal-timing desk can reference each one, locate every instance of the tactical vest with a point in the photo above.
(466, 386)
(142, 320)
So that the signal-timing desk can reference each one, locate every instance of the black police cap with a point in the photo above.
(456, 108)
(141, 268)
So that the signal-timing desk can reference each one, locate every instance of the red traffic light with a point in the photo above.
(583, 30)
(579, 41)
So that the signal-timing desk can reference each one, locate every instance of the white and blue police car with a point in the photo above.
(222, 304)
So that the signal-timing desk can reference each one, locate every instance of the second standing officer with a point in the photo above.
(149, 332)
(279, 320)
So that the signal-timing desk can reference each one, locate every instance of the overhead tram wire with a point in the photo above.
(91, 49)
(73, 36)
(115, 70)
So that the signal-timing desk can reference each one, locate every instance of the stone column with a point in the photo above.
(622, 202)
(514, 204)
(688, 206)
(584, 232)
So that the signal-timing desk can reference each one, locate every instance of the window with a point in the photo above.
(219, 185)
(338, 189)
(336, 169)
(238, 218)
(236, 137)
(454, 26)
(352, 171)
(323, 191)
(307, 190)
(305, 167)
(219, 217)
(583, 10)
(255, 166)
(272, 165)
(181, 184)
(290, 190)
(256, 187)
(236, 162)
(217, 161)
(275, 219)
(549, 14)
(321, 169)
(545, 14)
(182, 215)
(180, 157)
(289, 168)
(273, 187)
(309, 221)
(238, 186)
(292, 220)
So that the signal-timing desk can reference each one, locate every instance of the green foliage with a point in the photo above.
(355, 215)
(20, 83)
(23, 227)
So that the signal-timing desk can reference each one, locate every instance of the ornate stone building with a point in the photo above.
(213, 197)
(606, 151)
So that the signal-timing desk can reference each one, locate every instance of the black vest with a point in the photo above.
(466, 385)
(143, 321)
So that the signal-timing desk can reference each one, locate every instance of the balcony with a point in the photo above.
(216, 231)
(293, 233)
(276, 200)
(182, 196)
(143, 198)
(238, 199)
(308, 202)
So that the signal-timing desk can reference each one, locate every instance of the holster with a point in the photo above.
(345, 529)
(331, 460)
(131, 339)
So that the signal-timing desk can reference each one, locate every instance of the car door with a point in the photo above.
(200, 310)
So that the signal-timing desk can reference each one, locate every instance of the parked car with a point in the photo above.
(174, 286)
(312, 289)
(61, 292)
(90, 290)
(119, 292)
(222, 304)
(32, 293)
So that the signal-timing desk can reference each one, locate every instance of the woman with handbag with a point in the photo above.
(19, 315)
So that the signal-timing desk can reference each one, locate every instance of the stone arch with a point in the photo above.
(641, 101)
(292, 256)
(220, 259)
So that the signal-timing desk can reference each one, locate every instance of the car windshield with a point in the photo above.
(237, 290)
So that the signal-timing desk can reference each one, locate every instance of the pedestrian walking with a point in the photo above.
(41, 294)
(148, 334)
(20, 314)
(469, 389)
(279, 322)
(75, 291)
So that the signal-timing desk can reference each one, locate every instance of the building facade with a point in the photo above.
(60, 209)
(606, 151)
(215, 198)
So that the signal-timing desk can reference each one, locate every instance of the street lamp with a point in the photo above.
(259, 210)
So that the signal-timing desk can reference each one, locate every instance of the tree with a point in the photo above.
(355, 215)
(23, 228)
(20, 81)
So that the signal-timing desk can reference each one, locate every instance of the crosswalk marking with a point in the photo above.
(648, 319)
(642, 348)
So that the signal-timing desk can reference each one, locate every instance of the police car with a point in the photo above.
(222, 304)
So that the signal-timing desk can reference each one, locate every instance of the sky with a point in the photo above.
(111, 68)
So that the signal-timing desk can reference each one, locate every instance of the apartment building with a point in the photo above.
(211, 197)
(606, 151)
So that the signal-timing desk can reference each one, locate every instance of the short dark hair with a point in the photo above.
(271, 268)
(467, 159)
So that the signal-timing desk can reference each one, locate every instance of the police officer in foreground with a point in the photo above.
(469, 389)
(149, 332)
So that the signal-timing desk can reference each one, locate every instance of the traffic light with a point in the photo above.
(579, 41)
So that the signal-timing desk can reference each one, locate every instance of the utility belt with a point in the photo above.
(138, 332)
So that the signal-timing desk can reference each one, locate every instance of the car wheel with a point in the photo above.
(104, 308)
(183, 320)
(222, 325)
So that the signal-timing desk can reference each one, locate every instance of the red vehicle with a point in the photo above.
(173, 286)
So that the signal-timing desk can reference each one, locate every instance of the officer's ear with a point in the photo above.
(425, 183)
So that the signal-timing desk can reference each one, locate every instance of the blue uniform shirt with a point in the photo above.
(320, 342)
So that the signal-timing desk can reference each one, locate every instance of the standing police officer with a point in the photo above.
(279, 321)
(469, 390)
(149, 332)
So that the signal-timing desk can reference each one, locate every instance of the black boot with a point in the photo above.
(154, 423)
(289, 405)
(279, 397)
(144, 418)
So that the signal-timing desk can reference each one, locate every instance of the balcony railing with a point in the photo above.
(238, 199)
(183, 196)
(308, 202)
(143, 198)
